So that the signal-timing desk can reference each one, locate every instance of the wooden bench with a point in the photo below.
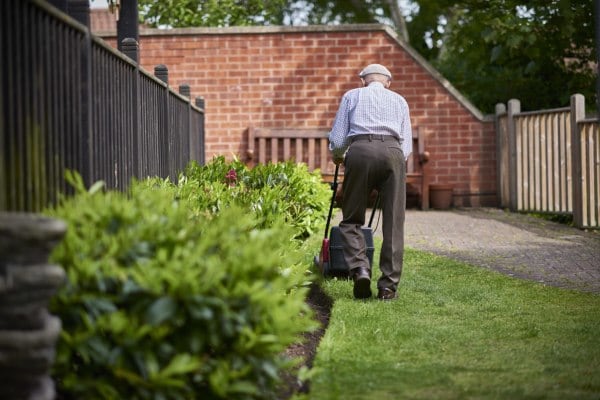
(311, 147)
(308, 146)
(417, 184)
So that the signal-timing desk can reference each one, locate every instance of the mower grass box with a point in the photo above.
(337, 266)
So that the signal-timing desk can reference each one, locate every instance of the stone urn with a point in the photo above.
(28, 333)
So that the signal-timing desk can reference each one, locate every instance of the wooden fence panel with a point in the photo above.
(590, 166)
(549, 161)
(543, 161)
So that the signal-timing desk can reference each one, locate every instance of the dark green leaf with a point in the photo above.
(496, 52)
(161, 310)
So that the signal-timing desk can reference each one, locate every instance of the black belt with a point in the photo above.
(371, 137)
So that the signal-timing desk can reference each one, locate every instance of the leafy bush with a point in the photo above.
(168, 298)
(284, 190)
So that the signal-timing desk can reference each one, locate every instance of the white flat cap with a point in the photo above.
(375, 69)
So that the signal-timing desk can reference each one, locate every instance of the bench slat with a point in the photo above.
(298, 142)
(262, 154)
(286, 149)
(311, 155)
(324, 156)
(274, 151)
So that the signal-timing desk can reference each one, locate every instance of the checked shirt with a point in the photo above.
(371, 110)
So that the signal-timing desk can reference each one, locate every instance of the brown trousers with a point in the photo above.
(375, 164)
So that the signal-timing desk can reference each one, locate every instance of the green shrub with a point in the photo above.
(166, 300)
(284, 190)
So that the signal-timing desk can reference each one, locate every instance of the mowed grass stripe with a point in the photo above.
(459, 332)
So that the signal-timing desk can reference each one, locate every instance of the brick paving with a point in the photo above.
(514, 244)
(511, 243)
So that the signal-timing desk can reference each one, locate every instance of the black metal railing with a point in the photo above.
(70, 101)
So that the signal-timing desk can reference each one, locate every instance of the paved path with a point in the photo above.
(514, 244)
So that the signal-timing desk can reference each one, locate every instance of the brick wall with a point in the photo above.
(293, 77)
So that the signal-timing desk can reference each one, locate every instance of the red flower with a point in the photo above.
(231, 177)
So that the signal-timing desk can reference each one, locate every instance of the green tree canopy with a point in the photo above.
(217, 13)
(540, 53)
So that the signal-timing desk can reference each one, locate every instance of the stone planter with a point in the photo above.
(28, 333)
(440, 196)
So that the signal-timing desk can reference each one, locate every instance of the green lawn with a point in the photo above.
(459, 332)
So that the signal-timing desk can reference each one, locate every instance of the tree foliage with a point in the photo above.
(220, 13)
(539, 51)
(217, 13)
(326, 12)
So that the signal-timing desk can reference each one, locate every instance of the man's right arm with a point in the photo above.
(339, 132)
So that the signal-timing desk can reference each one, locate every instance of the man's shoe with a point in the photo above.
(386, 294)
(362, 284)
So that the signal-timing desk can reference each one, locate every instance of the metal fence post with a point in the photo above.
(200, 103)
(184, 90)
(514, 107)
(127, 25)
(80, 11)
(131, 49)
(577, 114)
(85, 163)
(162, 72)
(60, 4)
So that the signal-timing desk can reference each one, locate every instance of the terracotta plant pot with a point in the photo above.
(440, 196)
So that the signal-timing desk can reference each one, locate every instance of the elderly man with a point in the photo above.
(372, 136)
